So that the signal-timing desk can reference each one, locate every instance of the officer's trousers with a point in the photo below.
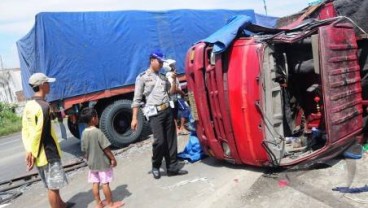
(165, 143)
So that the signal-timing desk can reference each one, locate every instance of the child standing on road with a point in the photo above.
(99, 158)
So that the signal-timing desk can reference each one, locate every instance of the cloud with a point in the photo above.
(9, 57)
(17, 16)
(17, 28)
(286, 8)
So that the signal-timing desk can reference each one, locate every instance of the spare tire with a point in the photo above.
(115, 122)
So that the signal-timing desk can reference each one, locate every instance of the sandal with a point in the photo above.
(118, 204)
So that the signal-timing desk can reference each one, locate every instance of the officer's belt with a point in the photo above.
(162, 106)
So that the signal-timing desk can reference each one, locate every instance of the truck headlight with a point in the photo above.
(213, 58)
(226, 149)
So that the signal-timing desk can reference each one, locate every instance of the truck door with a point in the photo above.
(340, 74)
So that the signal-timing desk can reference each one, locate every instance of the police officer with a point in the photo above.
(156, 88)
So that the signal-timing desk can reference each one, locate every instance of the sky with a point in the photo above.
(17, 16)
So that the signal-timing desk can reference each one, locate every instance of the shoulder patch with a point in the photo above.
(141, 74)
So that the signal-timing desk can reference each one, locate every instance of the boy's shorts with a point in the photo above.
(53, 175)
(175, 110)
(184, 113)
(100, 176)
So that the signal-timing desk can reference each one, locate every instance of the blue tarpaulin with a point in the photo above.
(266, 21)
(193, 151)
(93, 51)
(345, 189)
(223, 37)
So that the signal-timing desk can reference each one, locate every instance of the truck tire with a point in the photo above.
(73, 128)
(115, 123)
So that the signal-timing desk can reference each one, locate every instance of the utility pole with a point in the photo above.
(1, 63)
(265, 6)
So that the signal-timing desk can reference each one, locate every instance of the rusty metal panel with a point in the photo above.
(340, 81)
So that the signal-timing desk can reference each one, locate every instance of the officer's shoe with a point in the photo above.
(156, 173)
(177, 172)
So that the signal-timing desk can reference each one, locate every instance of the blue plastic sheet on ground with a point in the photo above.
(351, 190)
(193, 151)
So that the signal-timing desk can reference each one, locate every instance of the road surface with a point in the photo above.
(209, 184)
(12, 154)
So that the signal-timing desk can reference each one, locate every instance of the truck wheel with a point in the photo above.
(73, 128)
(115, 123)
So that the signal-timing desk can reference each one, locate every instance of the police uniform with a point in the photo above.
(154, 88)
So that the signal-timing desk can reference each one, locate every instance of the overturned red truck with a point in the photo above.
(280, 97)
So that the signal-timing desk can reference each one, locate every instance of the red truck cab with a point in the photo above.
(279, 99)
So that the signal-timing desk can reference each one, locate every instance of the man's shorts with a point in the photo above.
(53, 175)
(100, 176)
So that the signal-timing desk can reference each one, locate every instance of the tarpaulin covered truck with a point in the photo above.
(285, 96)
(96, 57)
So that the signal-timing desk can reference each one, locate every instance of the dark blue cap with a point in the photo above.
(157, 54)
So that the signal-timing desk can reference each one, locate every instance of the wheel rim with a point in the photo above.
(121, 122)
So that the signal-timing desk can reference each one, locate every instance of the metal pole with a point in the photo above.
(265, 6)
(1, 63)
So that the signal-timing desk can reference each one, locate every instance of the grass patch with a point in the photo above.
(10, 122)
(11, 127)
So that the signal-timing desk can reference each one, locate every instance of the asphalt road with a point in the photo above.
(12, 154)
(210, 183)
(12, 157)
